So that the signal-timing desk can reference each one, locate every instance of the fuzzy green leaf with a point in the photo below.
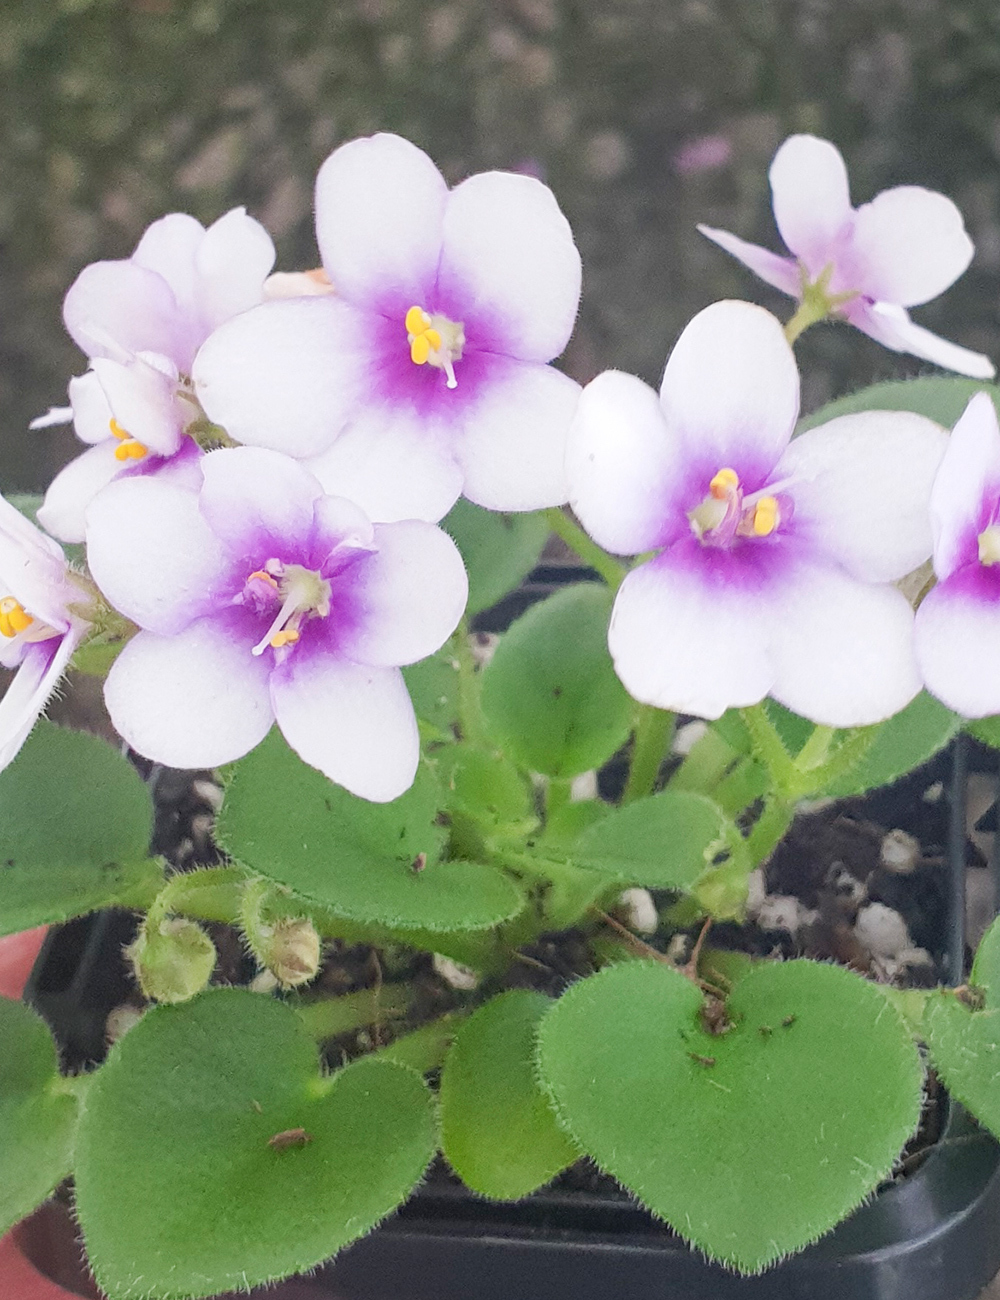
(663, 842)
(433, 687)
(550, 694)
(986, 966)
(986, 729)
(37, 1120)
(285, 820)
(941, 398)
(180, 1192)
(965, 1049)
(75, 826)
(498, 1130)
(498, 549)
(752, 1143)
(901, 743)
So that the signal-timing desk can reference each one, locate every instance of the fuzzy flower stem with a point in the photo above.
(769, 829)
(588, 551)
(653, 733)
(470, 714)
(770, 748)
(810, 311)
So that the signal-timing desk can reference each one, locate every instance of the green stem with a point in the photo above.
(425, 1048)
(207, 894)
(810, 311)
(707, 763)
(577, 540)
(846, 756)
(653, 733)
(770, 748)
(769, 829)
(816, 750)
(470, 713)
(330, 1017)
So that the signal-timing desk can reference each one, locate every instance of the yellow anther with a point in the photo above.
(420, 349)
(989, 545)
(120, 433)
(13, 618)
(130, 449)
(417, 321)
(264, 577)
(723, 483)
(765, 516)
(287, 636)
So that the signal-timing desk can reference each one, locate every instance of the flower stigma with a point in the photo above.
(989, 545)
(128, 448)
(303, 595)
(435, 340)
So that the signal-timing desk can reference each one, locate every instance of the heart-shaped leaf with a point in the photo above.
(941, 398)
(965, 1048)
(498, 1130)
(37, 1116)
(550, 694)
(286, 821)
(498, 549)
(663, 842)
(213, 1154)
(750, 1143)
(75, 826)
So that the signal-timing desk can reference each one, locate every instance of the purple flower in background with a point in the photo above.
(958, 623)
(424, 375)
(141, 321)
(774, 558)
(870, 263)
(39, 624)
(262, 599)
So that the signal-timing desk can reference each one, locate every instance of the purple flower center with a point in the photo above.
(435, 341)
(297, 592)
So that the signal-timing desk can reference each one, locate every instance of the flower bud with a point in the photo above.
(173, 960)
(291, 951)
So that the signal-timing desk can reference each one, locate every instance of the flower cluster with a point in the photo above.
(269, 458)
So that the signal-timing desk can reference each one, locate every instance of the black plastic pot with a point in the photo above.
(933, 1236)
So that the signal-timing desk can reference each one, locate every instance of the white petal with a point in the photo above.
(891, 326)
(812, 203)
(232, 262)
(731, 390)
(509, 252)
(908, 245)
(843, 650)
(622, 464)
(687, 633)
(353, 722)
(512, 447)
(967, 486)
(250, 493)
(38, 676)
(153, 555)
(92, 412)
(380, 205)
(120, 305)
(411, 592)
(394, 463)
(782, 272)
(196, 699)
(33, 569)
(63, 513)
(861, 486)
(957, 632)
(53, 416)
(144, 402)
(286, 375)
(169, 247)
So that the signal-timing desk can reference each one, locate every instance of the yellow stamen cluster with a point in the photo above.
(725, 482)
(128, 448)
(13, 618)
(765, 516)
(424, 338)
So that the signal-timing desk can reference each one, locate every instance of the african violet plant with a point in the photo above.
(298, 490)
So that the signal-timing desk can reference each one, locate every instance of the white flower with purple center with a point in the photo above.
(958, 623)
(263, 599)
(865, 265)
(141, 320)
(40, 623)
(424, 374)
(774, 558)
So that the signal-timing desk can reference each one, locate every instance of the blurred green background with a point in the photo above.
(645, 116)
